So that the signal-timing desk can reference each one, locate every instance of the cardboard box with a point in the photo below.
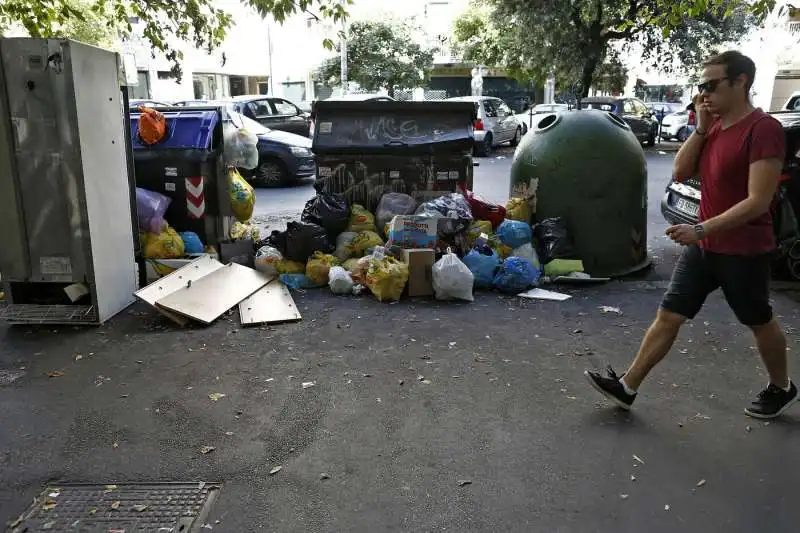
(420, 274)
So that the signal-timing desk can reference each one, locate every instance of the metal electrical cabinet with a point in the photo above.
(65, 192)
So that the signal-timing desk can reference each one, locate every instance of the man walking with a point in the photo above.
(738, 152)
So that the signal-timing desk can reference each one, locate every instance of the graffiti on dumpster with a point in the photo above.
(382, 130)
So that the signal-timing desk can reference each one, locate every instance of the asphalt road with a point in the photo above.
(275, 207)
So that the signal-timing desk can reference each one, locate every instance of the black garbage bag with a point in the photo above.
(329, 210)
(276, 239)
(303, 239)
(453, 212)
(553, 240)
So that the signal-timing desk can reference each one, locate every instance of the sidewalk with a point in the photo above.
(409, 399)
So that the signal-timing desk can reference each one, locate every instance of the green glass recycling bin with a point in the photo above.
(588, 168)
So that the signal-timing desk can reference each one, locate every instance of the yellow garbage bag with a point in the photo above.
(387, 278)
(240, 231)
(361, 219)
(318, 267)
(502, 250)
(350, 264)
(242, 195)
(286, 266)
(363, 242)
(166, 245)
(475, 230)
(518, 209)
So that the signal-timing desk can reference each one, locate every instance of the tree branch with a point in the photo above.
(575, 15)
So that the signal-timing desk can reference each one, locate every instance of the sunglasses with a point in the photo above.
(709, 86)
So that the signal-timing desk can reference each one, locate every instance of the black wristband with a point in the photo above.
(700, 133)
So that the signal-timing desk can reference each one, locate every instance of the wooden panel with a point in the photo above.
(269, 305)
(209, 297)
(174, 281)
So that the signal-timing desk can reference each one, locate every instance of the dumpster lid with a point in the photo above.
(390, 127)
(191, 128)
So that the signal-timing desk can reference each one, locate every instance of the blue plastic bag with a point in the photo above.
(514, 233)
(191, 243)
(299, 281)
(483, 267)
(516, 275)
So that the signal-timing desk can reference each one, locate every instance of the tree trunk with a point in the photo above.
(587, 76)
(390, 90)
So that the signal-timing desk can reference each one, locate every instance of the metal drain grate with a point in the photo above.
(130, 508)
(49, 314)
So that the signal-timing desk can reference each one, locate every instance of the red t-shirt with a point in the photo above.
(724, 170)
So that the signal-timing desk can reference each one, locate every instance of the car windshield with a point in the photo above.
(602, 106)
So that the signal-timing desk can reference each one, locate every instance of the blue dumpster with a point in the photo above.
(187, 166)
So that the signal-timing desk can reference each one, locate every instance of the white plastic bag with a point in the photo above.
(452, 279)
(339, 280)
(343, 241)
(241, 147)
(527, 251)
(267, 259)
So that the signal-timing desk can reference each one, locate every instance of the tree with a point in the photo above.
(194, 21)
(575, 37)
(381, 55)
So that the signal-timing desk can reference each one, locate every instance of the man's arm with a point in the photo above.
(761, 187)
(686, 160)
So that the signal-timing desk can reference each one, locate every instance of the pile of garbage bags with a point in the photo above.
(473, 245)
(156, 237)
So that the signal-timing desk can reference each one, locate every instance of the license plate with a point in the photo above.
(690, 208)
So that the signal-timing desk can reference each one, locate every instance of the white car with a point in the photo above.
(793, 103)
(496, 123)
(675, 126)
(526, 118)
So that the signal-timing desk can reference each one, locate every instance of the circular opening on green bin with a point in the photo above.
(547, 122)
(616, 120)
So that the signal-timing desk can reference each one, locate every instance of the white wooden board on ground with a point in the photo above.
(269, 305)
(207, 298)
(177, 280)
(542, 294)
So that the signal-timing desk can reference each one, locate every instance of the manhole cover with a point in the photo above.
(131, 508)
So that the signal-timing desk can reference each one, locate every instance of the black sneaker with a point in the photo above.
(610, 387)
(772, 401)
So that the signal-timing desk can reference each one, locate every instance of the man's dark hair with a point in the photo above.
(736, 64)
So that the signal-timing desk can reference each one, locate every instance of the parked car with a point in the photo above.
(676, 126)
(793, 103)
(681, 201)
(632, 110)
(496, 123)
(353, 97)
(662, 109)
(526, 117)
(283, 157)
(137, 103)
(269, 111)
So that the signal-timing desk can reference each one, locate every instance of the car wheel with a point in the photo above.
(683, 134)
(517, 137)
(485, 148)
(270, 173)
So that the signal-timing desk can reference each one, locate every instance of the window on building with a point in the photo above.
(166, 75)
(142, 90)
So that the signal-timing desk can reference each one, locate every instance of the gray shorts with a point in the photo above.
(744, 281)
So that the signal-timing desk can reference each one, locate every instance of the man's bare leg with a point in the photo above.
(772, 347)
(656, 344)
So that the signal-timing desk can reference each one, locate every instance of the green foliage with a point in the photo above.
(381, 55)
(196, 22)
(574, 37)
